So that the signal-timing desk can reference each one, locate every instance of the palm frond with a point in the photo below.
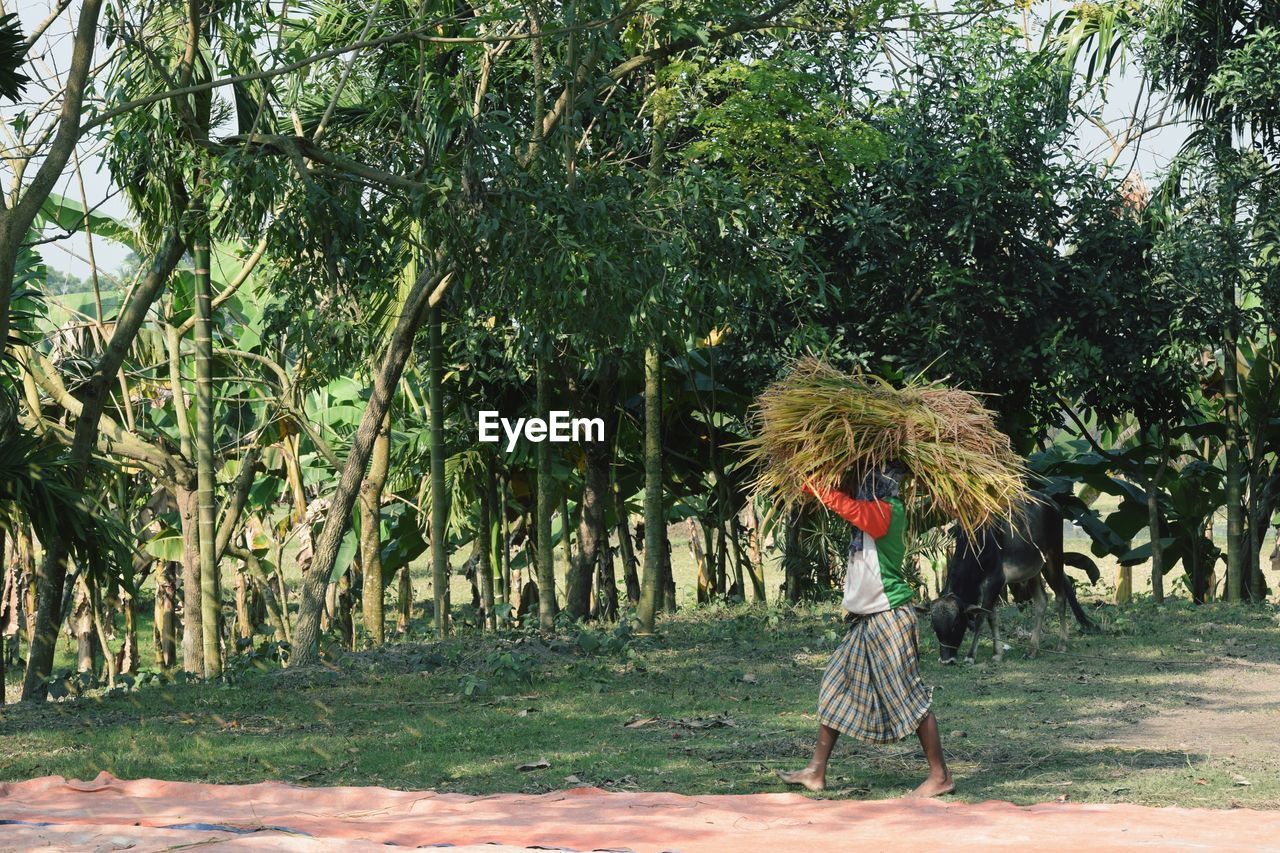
(35, 481)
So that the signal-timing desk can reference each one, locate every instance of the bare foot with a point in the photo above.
(932, 787)
(808, 777)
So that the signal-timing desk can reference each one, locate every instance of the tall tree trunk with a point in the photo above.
(270, 600)
(1235, 472)
(293, 474)
(509, 594)
(82, 628)
(755, 572)
(654, 521)
(484, 568)
(1153, 522)
(192, 627)
(566, 537)
(794, 564)
(757, 539)
(1264, 481)
(244, 621)
(627, 551)
(721, 558)
(607, 582)
(668, 577)
(439, 491)
(343, 616)
(306, 635)
(371, 536)
(100, 630)
(1199, 577)
(595, 491)
(27, 551)
(1237, 559)
(697, 536)
(206, 510)
(52, 573)
(404, 601)
(9, 604)
(544, 507)
(709, 555)
(166, 653)
(128, 660)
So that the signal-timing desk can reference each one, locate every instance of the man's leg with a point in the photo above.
(939, 780)
(814, 776)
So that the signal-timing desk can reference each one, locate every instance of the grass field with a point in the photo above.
(1169, 705)
(685, 573)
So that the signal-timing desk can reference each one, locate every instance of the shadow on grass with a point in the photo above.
(716, 703)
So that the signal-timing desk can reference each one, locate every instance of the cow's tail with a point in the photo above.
(1086, 624)
(1082, 562)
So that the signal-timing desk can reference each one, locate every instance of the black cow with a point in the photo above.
(1000, 555)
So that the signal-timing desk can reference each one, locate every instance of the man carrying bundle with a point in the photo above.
(872, 690)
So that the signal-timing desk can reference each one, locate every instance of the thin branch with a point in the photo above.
(44, 25)
(68, 126)
(562, 106)
(300, 146)
(417, 34)
(346, 75)
(112, 438)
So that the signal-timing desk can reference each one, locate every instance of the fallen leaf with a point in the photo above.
(572, 780)
(638, 721)
(1240, 780)
(540, 764)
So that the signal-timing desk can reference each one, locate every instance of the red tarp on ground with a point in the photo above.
(108, 813)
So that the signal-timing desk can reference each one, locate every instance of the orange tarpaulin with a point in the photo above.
(109, 813)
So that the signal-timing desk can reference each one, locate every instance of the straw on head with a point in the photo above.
(817, 424)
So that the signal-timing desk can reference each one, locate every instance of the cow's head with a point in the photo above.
(950, 620)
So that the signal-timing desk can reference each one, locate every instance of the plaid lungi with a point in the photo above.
(872, 688)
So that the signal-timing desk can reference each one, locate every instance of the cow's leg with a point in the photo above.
(1055, 574)
(994, 619)
(1041, 601)
(977, 632)
(991, 588)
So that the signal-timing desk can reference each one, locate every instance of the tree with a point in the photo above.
(1212, 59)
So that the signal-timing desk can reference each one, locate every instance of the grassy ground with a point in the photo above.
(1170, 705)
(685, 577)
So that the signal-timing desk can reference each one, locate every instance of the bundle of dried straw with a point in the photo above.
(816, 425)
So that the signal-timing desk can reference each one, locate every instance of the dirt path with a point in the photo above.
(148, 815)
(1228, 709)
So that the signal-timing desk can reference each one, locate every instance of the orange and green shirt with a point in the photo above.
(874, 577)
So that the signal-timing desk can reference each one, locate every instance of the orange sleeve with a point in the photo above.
(871, 517)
